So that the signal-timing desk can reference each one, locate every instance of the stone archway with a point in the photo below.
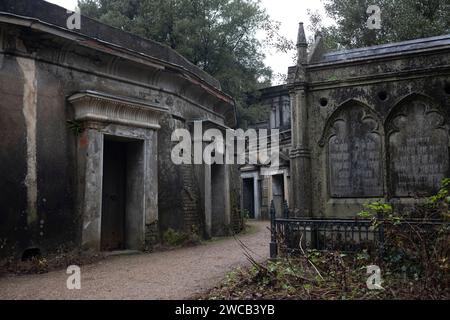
(354, 143)
(418, 148)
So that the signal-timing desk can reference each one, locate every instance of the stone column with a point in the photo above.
(300, 153)
(151, 186)
(286, 181)
(151, 179)
(256, 192)
(227, 195)
(301, 159)
(90, 157)
(208, 209)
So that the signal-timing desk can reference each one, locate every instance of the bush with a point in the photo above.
(174, 238)
(417, 240)
(413, 257)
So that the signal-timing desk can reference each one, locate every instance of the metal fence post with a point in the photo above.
(381, 234)
(273, 233)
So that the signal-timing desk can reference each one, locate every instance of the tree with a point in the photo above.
(400, 20)
(219, 36)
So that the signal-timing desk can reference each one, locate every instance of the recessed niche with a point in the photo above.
(447, 87)
(382, 95)
(323, 102)
(30, 254)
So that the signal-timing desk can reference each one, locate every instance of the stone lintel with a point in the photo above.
(102, 107)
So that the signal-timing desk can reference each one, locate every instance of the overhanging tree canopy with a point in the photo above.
(400, 20)
(219, 36)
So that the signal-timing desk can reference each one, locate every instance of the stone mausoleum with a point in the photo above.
(86, 118)
(367, 124)
(262, 183)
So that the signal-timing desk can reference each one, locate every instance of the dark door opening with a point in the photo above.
(114, 195)
(278, 194)
(218, 200)
(249, 197)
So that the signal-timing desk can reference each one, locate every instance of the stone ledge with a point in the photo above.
(96, 106)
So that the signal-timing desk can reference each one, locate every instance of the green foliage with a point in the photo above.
(289, 278)
(194, 236)
(439, 202)
(415, 261)
(174, 238)
(75, 126)
(252, 114)
(442, 195)
(401, 20)
(41, 264)
(245, 214)
(376, 209)
(343, 276)
(219, 36)
(416, 241)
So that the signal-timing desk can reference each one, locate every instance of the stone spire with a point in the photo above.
(300, 152)
(302, 45)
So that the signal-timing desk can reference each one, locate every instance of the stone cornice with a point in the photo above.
(102, 107)
(394, 76)
(444, 49)
(116, 78)
(180, 66)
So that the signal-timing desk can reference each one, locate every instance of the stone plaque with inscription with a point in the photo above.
(418, 150)
(355, 155)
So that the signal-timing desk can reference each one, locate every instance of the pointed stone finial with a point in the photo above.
(302, 45)
(301, 38)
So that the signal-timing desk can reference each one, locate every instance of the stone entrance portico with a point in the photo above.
(133, 123)
(251, 197)
(261, 185)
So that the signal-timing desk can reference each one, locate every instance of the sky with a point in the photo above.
(288, 12)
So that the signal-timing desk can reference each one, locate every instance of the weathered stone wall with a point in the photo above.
(235, 197)
(265, 203)
(377, 126)
(13, 156)
(372, 149)
(39, 171)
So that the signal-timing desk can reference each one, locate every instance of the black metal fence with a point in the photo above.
(299, 234)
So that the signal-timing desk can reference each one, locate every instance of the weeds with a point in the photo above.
(175, 239)
(414, 261)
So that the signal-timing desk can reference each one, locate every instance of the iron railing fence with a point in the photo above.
(292, 235)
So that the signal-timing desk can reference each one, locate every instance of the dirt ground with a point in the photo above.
(178, 274)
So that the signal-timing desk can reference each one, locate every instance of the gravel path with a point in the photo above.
(178, 274)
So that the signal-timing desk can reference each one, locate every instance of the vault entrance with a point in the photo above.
(249, 197)
(114, 195)
(278, 194)
(122, 172)
(218, 199)
(117, 167)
